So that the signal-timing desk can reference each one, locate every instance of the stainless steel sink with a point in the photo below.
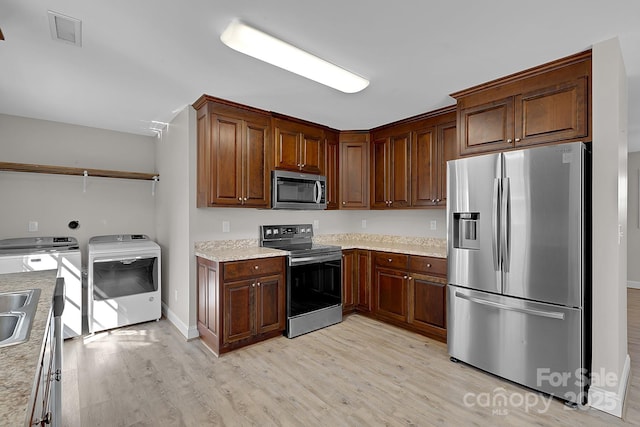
(17, 310)
(13, 301)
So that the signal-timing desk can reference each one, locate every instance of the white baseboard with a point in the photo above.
(632, 284)
(188, 332)
(608, 401)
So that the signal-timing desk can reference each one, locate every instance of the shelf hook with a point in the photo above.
(153, 185)
(84, 181)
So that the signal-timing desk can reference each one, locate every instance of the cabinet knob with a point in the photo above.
(405, 277)
(259, 284)
(437, 200)
(253, 285)
(428, 265)
(517, 139)
(303, 165)
(344, 203)
(239, 199)
(245, 199)
(410, 278)
(255, 267)
(390, 260)
(509, 140)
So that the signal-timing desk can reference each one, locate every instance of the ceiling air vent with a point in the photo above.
(65, 29)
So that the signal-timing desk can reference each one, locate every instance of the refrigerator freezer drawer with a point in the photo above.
(534, 344)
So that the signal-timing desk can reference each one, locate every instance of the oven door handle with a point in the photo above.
(316, 259)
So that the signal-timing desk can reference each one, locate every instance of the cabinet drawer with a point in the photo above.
(253, 267)
(388, 259)
(428, 265)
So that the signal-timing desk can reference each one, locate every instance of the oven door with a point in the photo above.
(313, 283)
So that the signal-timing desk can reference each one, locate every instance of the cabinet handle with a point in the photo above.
(517, 139)
(509, 141)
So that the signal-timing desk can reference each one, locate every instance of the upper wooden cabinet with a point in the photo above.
(234, 143)
(408, 161)
(541, 105)
(298, 146)
(354, 173)
(390, 167)
(332, 169)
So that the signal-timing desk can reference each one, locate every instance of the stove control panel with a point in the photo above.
(282, 232)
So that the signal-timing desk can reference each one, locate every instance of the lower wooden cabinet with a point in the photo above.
(356, 281)
(240, 302)
(410, 291)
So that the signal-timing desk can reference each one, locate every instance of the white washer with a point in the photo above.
(124, 281)
(50, 253)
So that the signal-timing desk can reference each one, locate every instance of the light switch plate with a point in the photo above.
(33, 226)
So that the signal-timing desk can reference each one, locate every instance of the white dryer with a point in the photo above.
(50, 253)
(124, 281)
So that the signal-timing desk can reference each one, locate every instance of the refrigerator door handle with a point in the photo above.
(495, 230)
(540, 313)
(505, 223)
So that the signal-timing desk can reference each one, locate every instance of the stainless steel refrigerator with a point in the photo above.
(518, 266)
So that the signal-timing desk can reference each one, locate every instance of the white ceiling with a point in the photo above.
(145, 60)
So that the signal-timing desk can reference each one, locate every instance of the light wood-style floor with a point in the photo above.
(358, 373)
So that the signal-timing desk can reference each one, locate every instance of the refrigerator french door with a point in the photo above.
(517, 274)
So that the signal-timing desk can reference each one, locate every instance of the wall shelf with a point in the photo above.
(66, 170)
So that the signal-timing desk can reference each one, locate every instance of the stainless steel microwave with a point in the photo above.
(295, 190)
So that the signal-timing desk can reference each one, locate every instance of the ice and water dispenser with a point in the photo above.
(466, 230)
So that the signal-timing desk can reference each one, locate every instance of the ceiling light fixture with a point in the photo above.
(264, 47)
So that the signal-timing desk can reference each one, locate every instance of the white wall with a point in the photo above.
(109, 206)
(172, 222)
(609, 332)
(633, 221)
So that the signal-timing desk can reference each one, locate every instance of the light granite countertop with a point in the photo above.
(234, 250)
(18, 363)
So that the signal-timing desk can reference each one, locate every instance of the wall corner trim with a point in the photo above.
(188, 332)
(608, 401)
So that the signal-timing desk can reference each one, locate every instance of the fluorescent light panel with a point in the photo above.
(264, 47)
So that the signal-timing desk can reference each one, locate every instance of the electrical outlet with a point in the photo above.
(316, 224)
(33, 226)
(363, 223)
(226, 227)
(176, 295)
(434, 224)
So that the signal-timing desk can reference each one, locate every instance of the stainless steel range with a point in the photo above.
(314, 277)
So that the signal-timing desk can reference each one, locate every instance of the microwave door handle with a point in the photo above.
(318, 192)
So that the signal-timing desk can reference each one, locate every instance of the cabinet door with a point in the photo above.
(427, 301)
(400, 169)
(238, 310)
(287, 147)
(354, 175)
(380, 173)
(312, 151)
(555, 113)
(349, 277)
(363, 267)
(270, 310)
(446, 150)
(423, 167)
(256, 175)
(332, 169)
(487, 127)
(226, 161)
(390, 294)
